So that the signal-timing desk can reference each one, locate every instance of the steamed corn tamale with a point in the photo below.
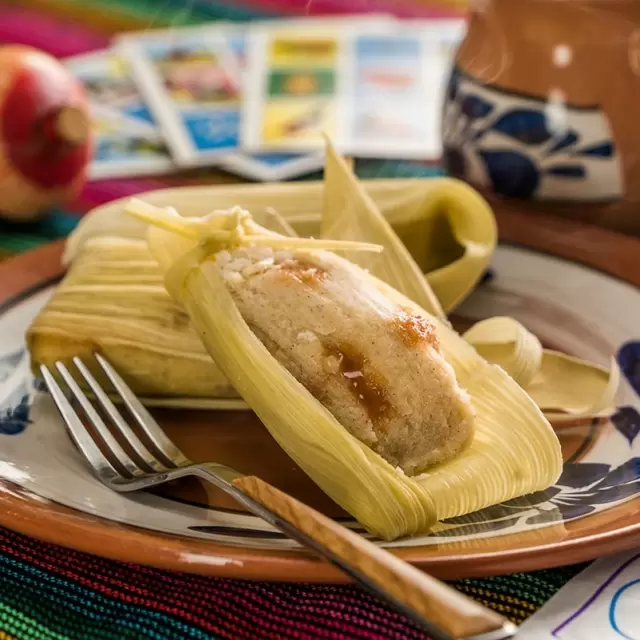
(375, 366)
(113, 301)
(260, 304)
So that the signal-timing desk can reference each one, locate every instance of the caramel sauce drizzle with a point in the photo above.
(304, 272)
(412, 329)
(367, 388)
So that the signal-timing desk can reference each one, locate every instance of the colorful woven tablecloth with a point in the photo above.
(47, 592)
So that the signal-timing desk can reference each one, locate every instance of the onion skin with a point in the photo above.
(45, 139)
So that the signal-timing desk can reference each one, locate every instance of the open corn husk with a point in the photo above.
(566, 388)
(514, 450)
(112, 299)
(347, 217)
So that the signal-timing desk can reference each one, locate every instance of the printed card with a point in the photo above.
(444, 34)
(272, 167)
(376, 91)
(126, 142)
(106, 77)
(126, 146)
(392, 104)
(294, 88)
(192, 81)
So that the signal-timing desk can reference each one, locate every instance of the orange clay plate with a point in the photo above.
(591, 311)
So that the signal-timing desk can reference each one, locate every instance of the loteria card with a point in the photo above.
(294, 88)
(107, 80)
(127, 143)
(393, 86)
(126, 146)
(272, 167)
(376, 91)
(193, 79)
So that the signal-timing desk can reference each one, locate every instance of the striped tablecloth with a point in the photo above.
(47, 592)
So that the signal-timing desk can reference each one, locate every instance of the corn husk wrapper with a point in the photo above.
(566, 388)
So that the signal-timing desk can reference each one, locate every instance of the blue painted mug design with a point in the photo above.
(529, 147)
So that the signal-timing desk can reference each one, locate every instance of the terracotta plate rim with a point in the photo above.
(25, 513)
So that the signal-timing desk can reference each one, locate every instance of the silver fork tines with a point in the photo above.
(82, 437)
(165, 448)
(102, 465)
(156, 462)
(117, 419)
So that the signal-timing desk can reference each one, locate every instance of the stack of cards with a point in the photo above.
(255, 99)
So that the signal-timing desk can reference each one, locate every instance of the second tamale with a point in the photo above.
(113, 301)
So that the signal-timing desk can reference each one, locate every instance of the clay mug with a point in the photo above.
(541, 108)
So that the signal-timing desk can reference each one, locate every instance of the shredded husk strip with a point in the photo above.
(566, 388)
(505, 342)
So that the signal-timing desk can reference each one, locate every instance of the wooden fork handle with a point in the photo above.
(422, 597)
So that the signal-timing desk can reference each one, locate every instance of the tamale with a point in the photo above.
(513, 450)
(376, 367)
(113, 301)
(447, 227)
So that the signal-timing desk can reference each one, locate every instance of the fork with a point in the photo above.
(440, 610)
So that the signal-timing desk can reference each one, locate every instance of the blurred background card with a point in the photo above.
(292, 91)
(377, 89)
(444, 34)
(255, 99)
(126, 146)
(191, 79)
(390, 84)
(127, 142)
(106, 77)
